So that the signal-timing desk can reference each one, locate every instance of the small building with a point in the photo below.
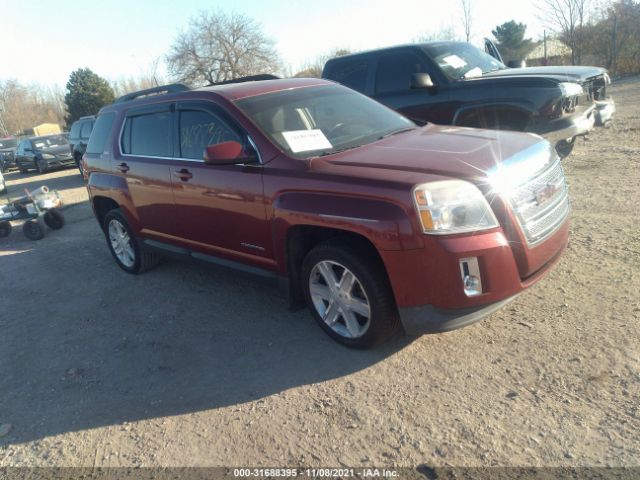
(43, 129)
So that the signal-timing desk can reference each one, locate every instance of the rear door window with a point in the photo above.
(395, 71)
(86, 129)
(148, 135)
(100, 134)
(352, 74)
(198, 129)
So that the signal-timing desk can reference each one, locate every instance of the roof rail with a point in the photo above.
(250, 78)
(87, 116)
(171, 88)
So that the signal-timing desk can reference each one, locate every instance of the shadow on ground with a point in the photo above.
(85, 345)
(56, 180)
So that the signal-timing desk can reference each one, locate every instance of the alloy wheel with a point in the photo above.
(121, 243)
(340, 299)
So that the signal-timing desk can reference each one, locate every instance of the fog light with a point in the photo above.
(471, 280)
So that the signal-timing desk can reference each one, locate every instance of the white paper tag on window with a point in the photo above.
(306, 140)
(455, 61)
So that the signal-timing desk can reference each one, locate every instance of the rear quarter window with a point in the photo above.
(75, 130)
(100, 133)
(85, 132)
(352, 74)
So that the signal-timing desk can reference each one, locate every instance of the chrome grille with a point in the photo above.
(542, 204)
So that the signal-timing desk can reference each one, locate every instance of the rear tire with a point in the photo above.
(33, 230)
(124, 246)
(54, 219)
(359, 309)
(5, 229)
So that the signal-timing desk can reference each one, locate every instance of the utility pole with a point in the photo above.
(545, 46)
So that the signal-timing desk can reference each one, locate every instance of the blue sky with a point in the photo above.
(44, 41)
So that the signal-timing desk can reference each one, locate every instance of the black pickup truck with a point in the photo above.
(455, 83)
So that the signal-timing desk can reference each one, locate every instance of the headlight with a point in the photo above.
(48, 156)
(569, 89)
(452, 206)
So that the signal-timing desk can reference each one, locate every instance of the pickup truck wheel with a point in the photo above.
(349, 295)
(124, 246)
(564, 147)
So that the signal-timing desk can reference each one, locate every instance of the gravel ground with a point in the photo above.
(193, 366)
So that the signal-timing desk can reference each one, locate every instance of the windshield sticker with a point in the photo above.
(474, 72)
(454, 61)
(306, 140)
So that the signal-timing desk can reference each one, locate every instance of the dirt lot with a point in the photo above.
(188, 365)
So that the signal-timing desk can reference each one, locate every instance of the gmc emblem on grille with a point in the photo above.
(545, 193)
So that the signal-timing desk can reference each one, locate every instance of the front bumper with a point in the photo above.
(430, 319)
(566, 128)
(604, 112)
(59, 162)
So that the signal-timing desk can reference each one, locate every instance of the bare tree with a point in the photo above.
(218, 47)
(467, 15)
(568, 19)
(443, 33)
(24, 107)
(314, 69)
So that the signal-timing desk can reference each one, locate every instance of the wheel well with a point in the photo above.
(495, 117)
(102, 206)
(302, 238)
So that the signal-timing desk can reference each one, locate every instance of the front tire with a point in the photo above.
(124, 246)
(348, 292)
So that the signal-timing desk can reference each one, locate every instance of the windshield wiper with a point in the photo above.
(396, 132)
(331, 152)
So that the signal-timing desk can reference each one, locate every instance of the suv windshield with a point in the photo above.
(462, 60)
(311, 121)
(8, 143)
(43, 143)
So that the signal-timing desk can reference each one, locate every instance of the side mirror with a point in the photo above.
(421, 80)
(228, 153)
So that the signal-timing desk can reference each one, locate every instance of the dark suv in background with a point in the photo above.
(79, 138)
(455, 83)
(7, 152)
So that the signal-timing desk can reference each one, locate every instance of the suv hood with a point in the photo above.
(560, 73)
(455, 152)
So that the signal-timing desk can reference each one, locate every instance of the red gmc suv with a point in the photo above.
(372, 221)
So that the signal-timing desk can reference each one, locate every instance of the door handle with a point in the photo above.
(184, 174)
(123, 167)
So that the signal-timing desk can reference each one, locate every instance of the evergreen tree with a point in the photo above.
(86, 94)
